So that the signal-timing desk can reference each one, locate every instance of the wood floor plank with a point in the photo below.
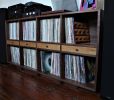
(17, 85)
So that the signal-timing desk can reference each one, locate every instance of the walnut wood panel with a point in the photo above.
(28, 44)
(15, 43)
(47, 46)
(90, 51)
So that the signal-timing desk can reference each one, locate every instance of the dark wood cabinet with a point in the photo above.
(90, 21)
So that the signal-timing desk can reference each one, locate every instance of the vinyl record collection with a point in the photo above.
(76, 32)
(50, 30)
(75, 66)
(79, 69)
(14, 30)
(30, 58)
(50, 63)
(15, 55)
(69, 30)
(29, 30)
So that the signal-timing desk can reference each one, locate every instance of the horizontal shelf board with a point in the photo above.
(28, 44)
(52, 15)
(48, 46)
(12, 20)
(29, 40)
(81, 12)
(28, 18)
(54, 12)
(11, 63)
(21, 68)
(28, 68)
(81, 50)
(88, 86)
(50, 76)
(21, 19)
(13, 42)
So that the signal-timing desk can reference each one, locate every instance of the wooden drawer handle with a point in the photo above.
(77, 49)
(12, 42)
(26, 43)
(46, 46)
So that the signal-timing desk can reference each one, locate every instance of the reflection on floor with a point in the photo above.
(16, 85)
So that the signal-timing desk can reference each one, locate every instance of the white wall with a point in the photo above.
(6, 3)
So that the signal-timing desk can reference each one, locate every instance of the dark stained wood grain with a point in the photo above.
(17, 85)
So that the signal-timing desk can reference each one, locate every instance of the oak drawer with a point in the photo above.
(46, 46)
(28, 44)
(79, 50)
(11, 42)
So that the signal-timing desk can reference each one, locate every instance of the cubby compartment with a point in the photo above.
(79, 68)
(50, 63)
(29, 30)
(13, 55)
(50, 29)
(30, 58)
(81, 28)
(13, 30)
(80, 71)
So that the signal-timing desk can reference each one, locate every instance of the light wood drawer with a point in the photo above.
(15, 43)
(55, 47)
(91, 51)
(28, 44)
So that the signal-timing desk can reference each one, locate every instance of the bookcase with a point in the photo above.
(62, 46)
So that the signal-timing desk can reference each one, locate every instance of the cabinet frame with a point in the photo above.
(76, 49)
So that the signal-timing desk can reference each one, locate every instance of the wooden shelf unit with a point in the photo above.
(90, 49)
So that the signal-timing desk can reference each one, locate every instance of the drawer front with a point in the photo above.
(79, 50)
(15, 43)
(28, 44)
(55, 47)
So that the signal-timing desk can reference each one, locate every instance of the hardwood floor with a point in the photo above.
(18, 85)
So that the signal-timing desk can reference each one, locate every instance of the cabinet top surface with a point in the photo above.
(53, 15)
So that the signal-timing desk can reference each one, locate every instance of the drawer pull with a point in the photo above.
(26, 43)
(46, 46)
(77, 49)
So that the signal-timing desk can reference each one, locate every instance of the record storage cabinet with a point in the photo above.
(88, 49)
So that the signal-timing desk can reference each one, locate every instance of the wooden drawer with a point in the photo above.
(28, 44)
(91, 51)
(46, 46)
(15, 43)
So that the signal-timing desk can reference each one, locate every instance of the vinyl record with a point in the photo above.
(46, 62)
